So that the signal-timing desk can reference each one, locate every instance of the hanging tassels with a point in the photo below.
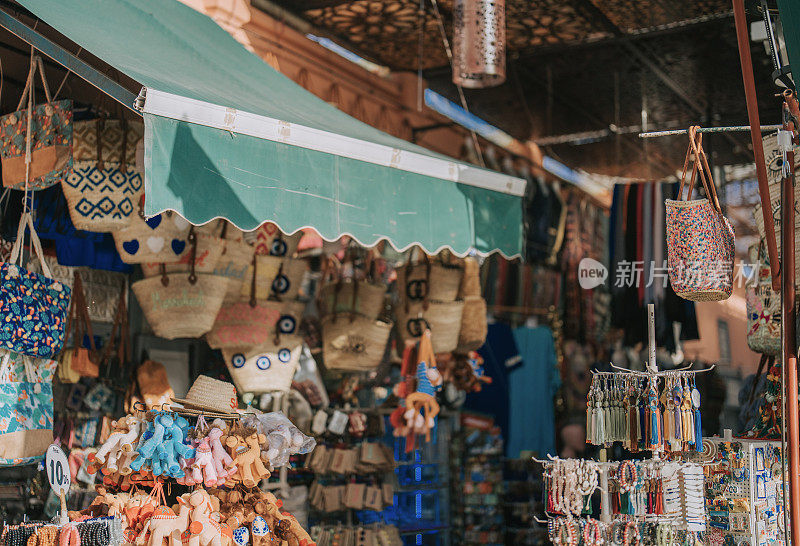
(698, 421)
(656, 437)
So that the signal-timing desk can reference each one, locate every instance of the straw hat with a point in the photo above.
(210, 395)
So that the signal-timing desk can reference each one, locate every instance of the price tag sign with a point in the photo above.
(57, 469)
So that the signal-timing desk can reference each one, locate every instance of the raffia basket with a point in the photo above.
(442, 317)
(160, 239)
(244, 324)
(181, 309)
(353, 342)
(416, 283)
(776, 214)
(233, 264)
(473, 325)
(261, 370)
(275, 277)
(347, 296)
(209, 251)
(471, 282)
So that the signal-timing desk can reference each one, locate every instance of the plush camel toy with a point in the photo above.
(284, 525)
(126, 432)
(250, 468)
(223, 462)
(205, 530)
(167, 525)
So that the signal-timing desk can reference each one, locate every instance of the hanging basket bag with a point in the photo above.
(207, 254)
(276, 278)
(261, 370)
(180, 305)
(428, 281)
(763, 307)
(102, 193)
(33, 307)
(116, 139)
(443, 318)
(160, 239)
(700, 240)
(235, 259)
(353, 342)
(46, 128)
(285, 334)
(347, 296)
(473, 325)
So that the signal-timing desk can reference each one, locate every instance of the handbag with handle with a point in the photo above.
(700, 240)
(26, 413)
(80, 360)
(763, 307)
(36, 142)
(102, 194)
(33, 307)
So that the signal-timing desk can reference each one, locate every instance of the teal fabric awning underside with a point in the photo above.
(228, 136)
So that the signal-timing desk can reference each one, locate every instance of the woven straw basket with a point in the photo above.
(241, 324)
(349, 296)
(415, 283)
(160, 239)
(181, 309)
(209, 251)
(353, 342)
(442, 317)
(471, 282)
(260, 370)
(102, 199)
(233, 264)
(473, 325)
(275, 277)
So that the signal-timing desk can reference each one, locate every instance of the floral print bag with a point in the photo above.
(26, 408)
(33, 307)
(44, 131)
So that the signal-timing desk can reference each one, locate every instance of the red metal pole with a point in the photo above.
(789, 330)
(743, 37)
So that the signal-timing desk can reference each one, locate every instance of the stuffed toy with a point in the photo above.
(223, 462)
(166, 524)
(203, 470)
(205, 530)
(248, 462)
(126, 432)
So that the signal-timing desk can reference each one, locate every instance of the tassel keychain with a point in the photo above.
(688, 414)
(656, 437)
(590, 409)
(677, 399)
(698, 421)
(666, 403)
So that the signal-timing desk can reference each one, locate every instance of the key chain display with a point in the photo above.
(744, 492)
(645, 413)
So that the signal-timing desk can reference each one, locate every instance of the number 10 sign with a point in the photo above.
(57, 470)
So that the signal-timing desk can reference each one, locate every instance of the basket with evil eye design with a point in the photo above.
(261, 370)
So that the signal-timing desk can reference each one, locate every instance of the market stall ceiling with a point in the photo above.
(581, 66)
(228, 136)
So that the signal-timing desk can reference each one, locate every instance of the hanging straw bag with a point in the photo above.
(428, 281)
(474, 327)
(245, 324)
(36, 143)
(236, 256)
(442, 318)
(180, 305)
(339, 295)
(26, 409)
(261, 370)
(700, 240)
(33, 307)
(207, 252)
(117, 138)
(101, 193)
(774, 159)
(160, 238)
(353, 342)
(276, 278)
(763, 307)
(79, 360)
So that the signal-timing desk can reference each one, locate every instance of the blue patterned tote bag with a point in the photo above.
(26, 408)
(103, 190)
(33, 307)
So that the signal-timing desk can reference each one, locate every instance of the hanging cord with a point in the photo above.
(420, 53)
(461, 96)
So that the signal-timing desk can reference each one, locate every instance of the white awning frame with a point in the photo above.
(181, 108)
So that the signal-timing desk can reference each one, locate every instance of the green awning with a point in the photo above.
(228, 136)
(789, 11)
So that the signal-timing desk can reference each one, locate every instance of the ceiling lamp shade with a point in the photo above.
(479, 43)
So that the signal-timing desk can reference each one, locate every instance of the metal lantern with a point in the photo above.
(479, 43)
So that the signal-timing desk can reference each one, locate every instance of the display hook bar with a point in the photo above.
(731, 129)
